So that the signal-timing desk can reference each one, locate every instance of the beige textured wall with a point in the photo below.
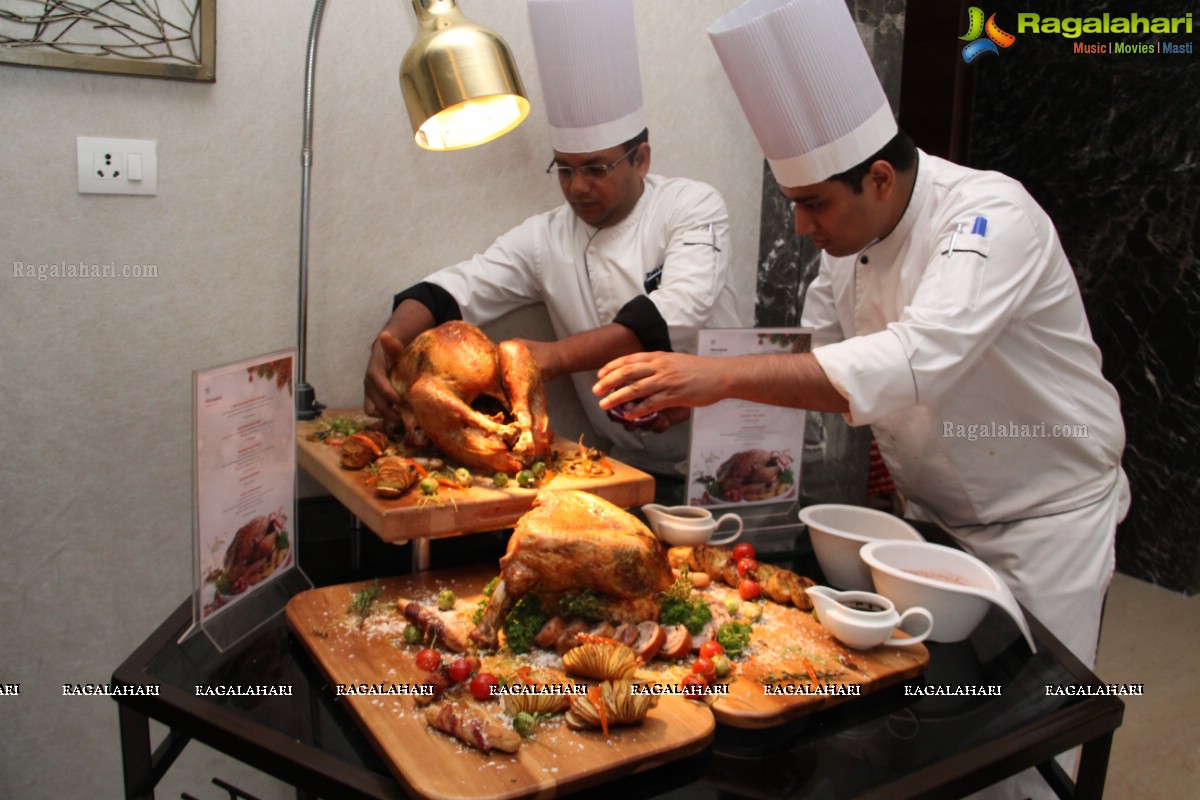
(95, 375)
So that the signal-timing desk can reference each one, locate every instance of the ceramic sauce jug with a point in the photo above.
(863, 620)
(689, 526)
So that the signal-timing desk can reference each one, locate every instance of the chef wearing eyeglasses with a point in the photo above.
(630, 262)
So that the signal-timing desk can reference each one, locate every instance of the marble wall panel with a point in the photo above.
(1109, 145)
(835, 463)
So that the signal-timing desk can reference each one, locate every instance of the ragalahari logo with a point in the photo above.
(976, 27)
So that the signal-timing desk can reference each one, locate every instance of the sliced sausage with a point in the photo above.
(651, 637)
(706, 634)
(678, 643)
(603, 629)
(626, 633)
(568, 641)
(549, 633)
(720, 614)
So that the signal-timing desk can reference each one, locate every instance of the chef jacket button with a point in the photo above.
(865, 260)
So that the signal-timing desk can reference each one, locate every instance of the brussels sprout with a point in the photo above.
(524, 723)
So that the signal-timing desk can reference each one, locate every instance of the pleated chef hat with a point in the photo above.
(806, 85)
(591, 79)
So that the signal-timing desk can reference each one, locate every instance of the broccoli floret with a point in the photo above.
(692, 613)
(585, 605)
(523, 623)
(733, 637)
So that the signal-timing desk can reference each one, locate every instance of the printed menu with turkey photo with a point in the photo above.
(745, 453)
(245, 442)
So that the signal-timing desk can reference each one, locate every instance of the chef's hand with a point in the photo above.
(669, 382)
(380, 398)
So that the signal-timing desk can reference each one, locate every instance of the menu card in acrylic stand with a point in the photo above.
(745, 457)
(244, 496)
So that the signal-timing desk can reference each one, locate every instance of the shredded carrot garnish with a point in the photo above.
(369, 442)
(526, 676)
(595, 694)
(811, 670)
(587, 637)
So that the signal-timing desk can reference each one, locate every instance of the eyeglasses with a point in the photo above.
(593, 172)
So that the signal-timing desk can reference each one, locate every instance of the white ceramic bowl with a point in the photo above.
(839, 531)
(955, 587)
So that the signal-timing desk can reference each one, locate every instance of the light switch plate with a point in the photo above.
(104, 165)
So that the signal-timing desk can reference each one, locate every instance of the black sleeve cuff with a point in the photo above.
(439, 302)
(641, 316)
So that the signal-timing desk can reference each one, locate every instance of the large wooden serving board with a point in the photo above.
(432, 765)
(476, 509)
(785, 645)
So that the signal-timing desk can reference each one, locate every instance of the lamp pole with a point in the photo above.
(461, 87)
(307, 406)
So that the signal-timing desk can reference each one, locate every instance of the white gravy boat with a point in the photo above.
(688, 526)
(863, 620)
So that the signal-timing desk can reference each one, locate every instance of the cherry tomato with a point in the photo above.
(429, 659)
(743, 550)
(481, 685)
(749, 589)
(710, 649)
(460, 669)
(705, 668)
(693, 685)
(746, 565)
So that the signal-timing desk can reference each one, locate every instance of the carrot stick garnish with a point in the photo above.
(369, 442)
(595, 694)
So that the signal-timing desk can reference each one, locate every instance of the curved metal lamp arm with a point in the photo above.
(307, 406)
(471, 68)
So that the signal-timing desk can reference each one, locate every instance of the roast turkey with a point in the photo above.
(571, 541)
(483, 405)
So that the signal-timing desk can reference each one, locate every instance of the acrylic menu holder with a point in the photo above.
(746, 457)
(245, 554)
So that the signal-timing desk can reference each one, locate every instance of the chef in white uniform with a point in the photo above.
(947, 318)
(632, 261)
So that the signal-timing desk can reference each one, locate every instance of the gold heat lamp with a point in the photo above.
(461, 87)
(459, 80)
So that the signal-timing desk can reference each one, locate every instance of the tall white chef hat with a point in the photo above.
(591, 79)
(806, 85)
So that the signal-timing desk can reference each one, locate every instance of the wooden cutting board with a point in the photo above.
(786, 642)
(784, 646)
(476, 509)
(432, 765)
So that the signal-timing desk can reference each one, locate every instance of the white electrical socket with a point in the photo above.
(117, 166)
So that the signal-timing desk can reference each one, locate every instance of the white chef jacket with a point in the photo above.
(976, 368)
(585, 275)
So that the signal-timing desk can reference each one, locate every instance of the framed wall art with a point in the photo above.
(148, 38)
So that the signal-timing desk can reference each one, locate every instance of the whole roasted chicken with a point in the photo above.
(571, 541)
(483, 405)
